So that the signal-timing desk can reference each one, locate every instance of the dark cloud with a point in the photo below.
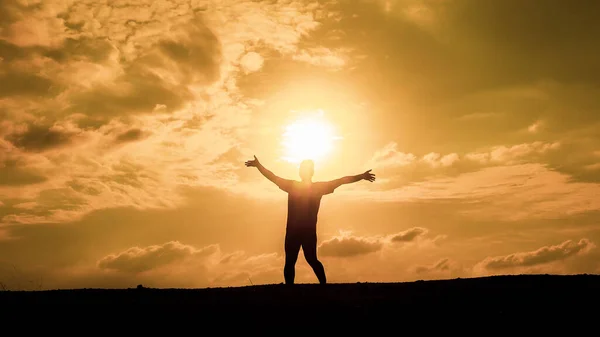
(409, 234)
(194, 55)
(12, 174)
(136, 260)
(191, 55)
(10, 52)
(349, 246)
(40, 138)
(130, 136)
(11, 11)
(197, 53)
(96, 50)
(18, 83)
(138, 91)
(540, 256)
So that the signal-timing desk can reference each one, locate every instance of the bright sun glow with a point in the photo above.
(310, 137)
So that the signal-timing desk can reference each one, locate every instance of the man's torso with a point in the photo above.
(304, 201)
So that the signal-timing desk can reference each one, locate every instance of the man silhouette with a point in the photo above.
(304, 199)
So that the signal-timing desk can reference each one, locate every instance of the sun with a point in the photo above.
(309, 137)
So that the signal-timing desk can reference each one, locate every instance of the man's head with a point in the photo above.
(307, 169)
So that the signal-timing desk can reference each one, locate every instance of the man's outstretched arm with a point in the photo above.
(367, 175)
(265, 172)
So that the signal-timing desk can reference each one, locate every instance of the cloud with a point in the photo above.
(535, 127)
(322, 57)
(12, 173)
(25, 205)
(389, 156)
(529, 191)
(15, 83)
(409, 234)
(433, 53)
(442, 265)
(173, 263)
(435, 159)
(136, 260)
(347, 245)
(76, 80)
(189, 54)
(513, 154)
(27, 23)
(443, 268)
(543, 255)
(130, 135)
(39, 138)
(404, 171)
(592, 167)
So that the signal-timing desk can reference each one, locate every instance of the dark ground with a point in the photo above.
(467, 305)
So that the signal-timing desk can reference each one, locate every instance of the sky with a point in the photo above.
(125, 125)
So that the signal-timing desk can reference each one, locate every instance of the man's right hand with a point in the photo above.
(253, 162)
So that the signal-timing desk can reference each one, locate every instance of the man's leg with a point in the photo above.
(292, 248)
(309, 246)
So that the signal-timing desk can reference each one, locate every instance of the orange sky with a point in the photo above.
(124, 127)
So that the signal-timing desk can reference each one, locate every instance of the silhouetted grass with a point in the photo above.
(504, 300)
